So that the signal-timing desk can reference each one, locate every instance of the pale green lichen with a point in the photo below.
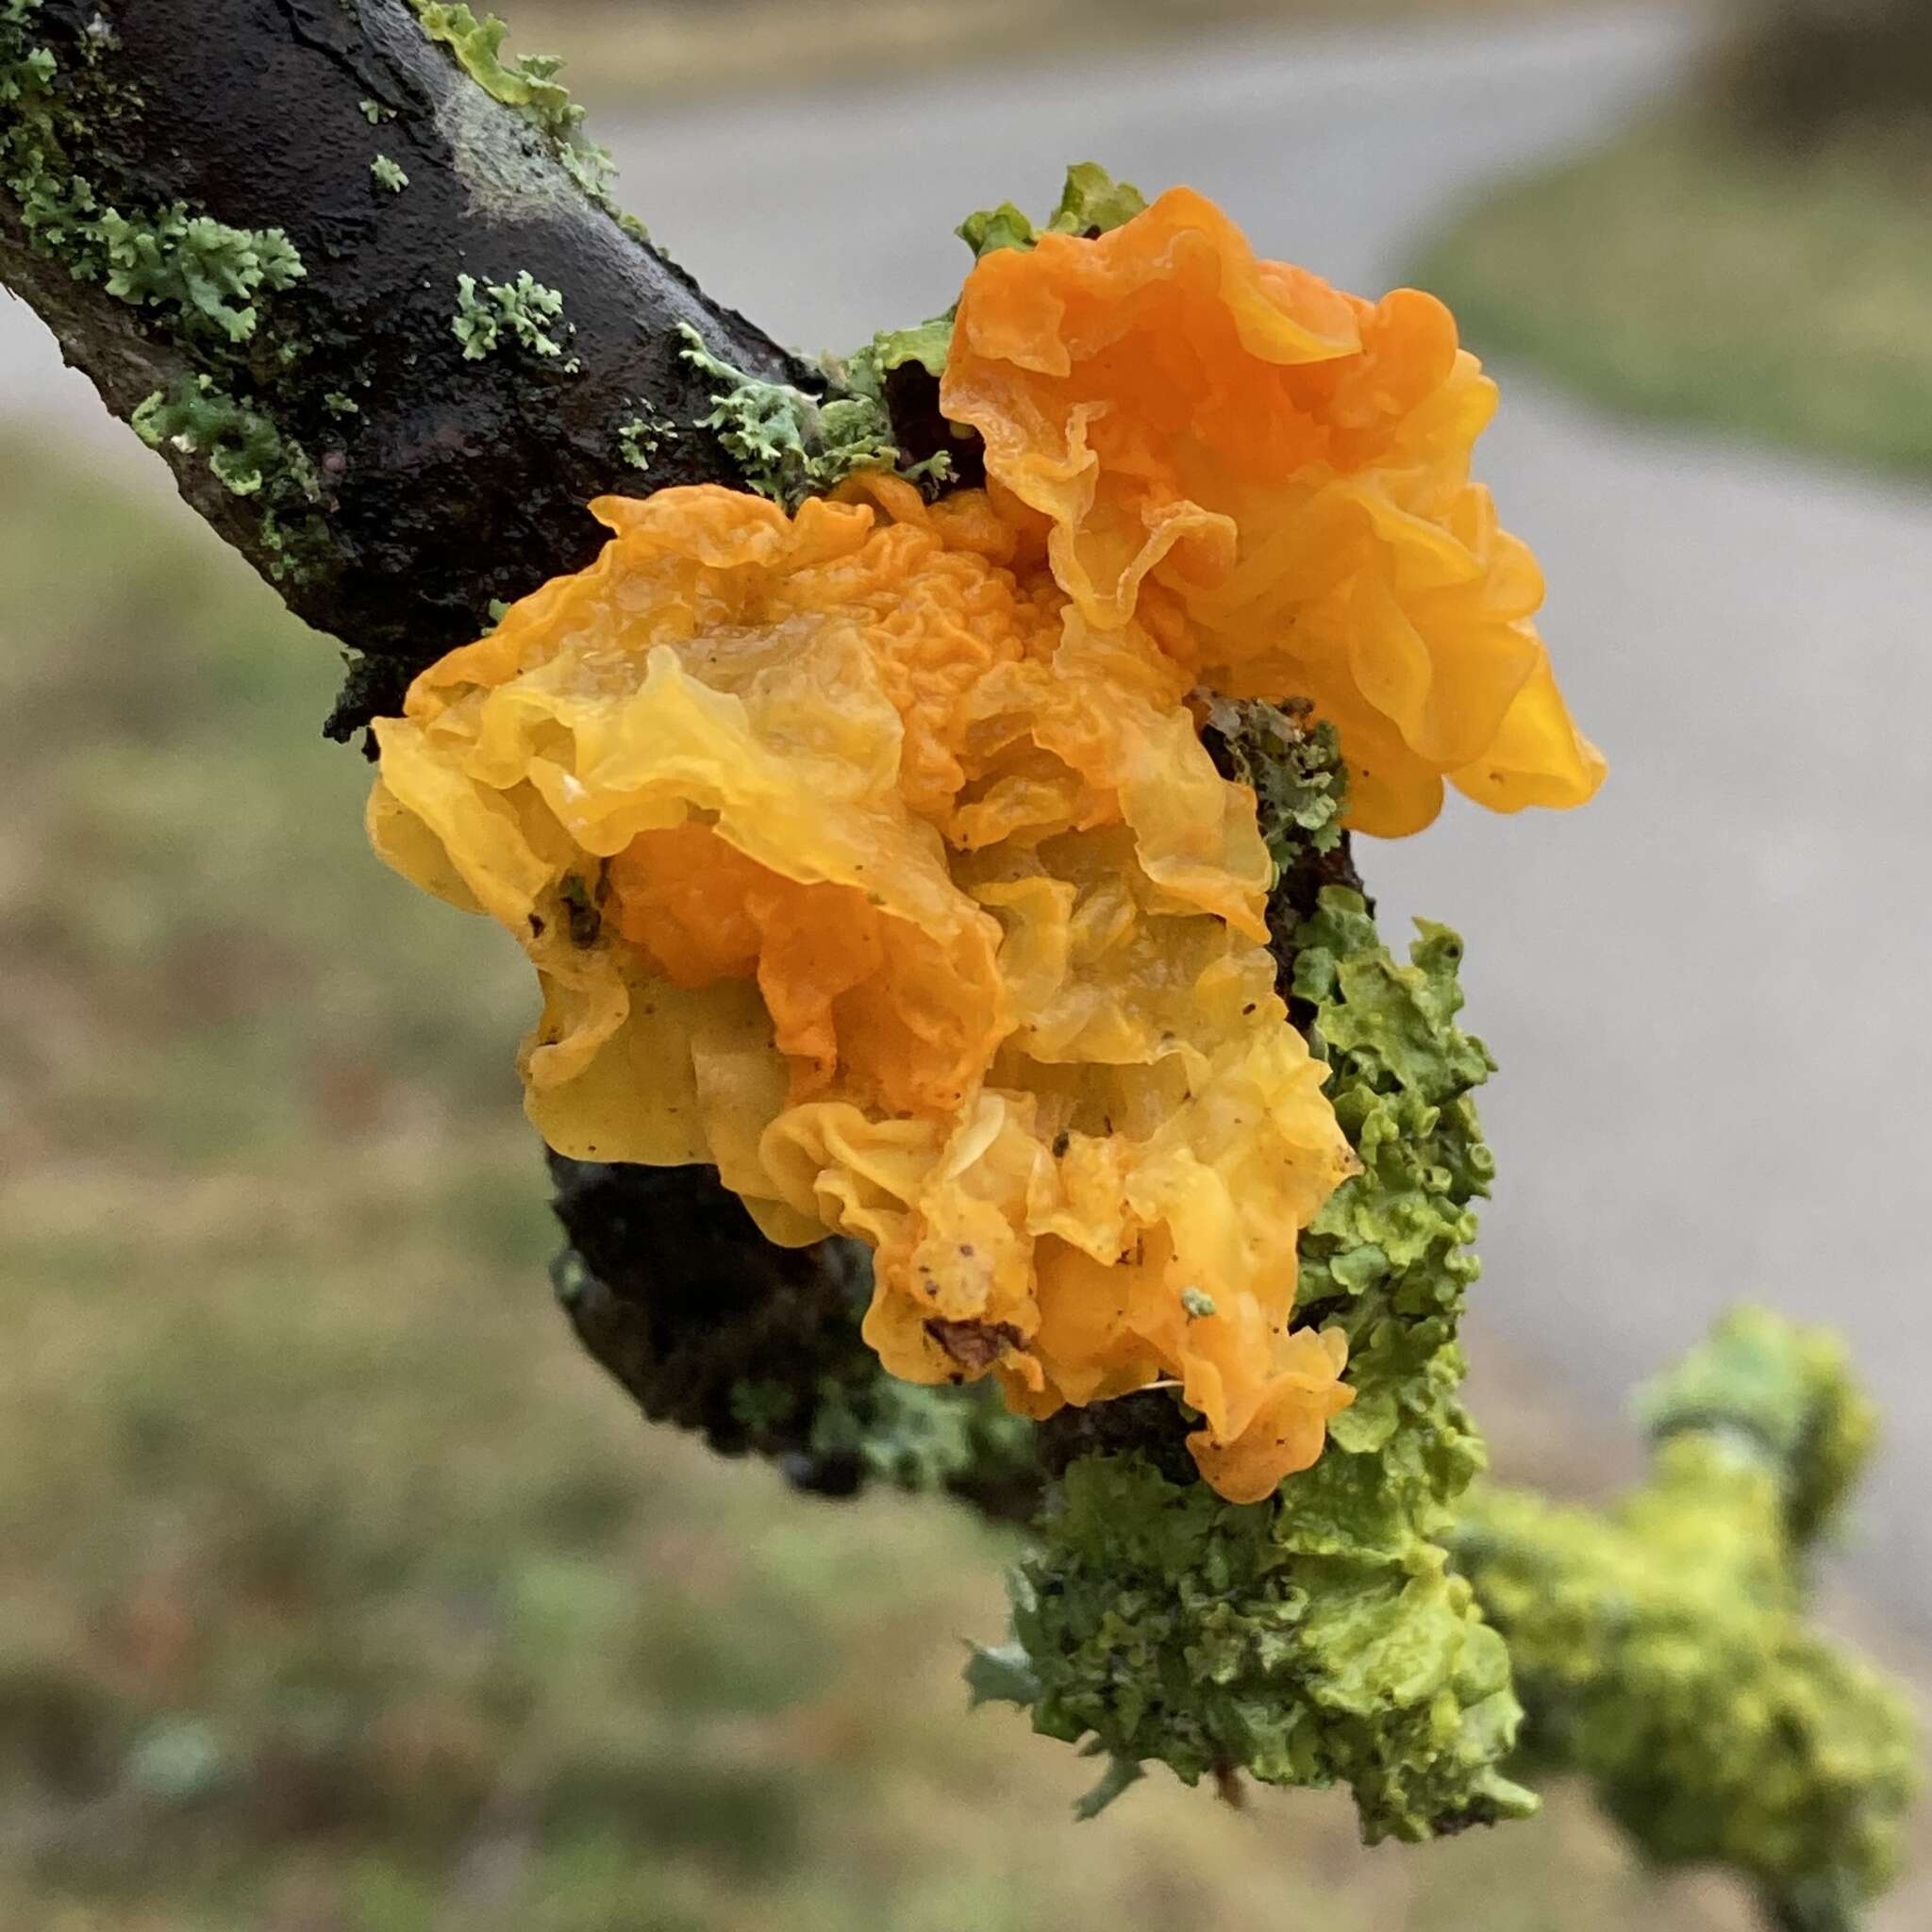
(202, 287)
(208, 273)
(205, 276)
(519, 314)
(1293, 765)
(1661, 1648)
(248, 455)
(790, 446)
(389, 175)
(641, 436)
(242, 447)
(529, 86)
(1320, 1636)
(926, 343)
(916, 1439)
(375, 112)
(1786, 1390)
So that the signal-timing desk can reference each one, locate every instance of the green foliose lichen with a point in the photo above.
(926, 1441)
(641, 435)
(518, 314)
(203, 276)
(1293, 767)
(200, 285)
(790, 446)
(1318, 1637)
(1787, 1391)
(528, 85)
(243, 448)
(922, 347)
(389, 175)
(1090, 202)
(1661, 1649)
(249, 456)
(206, 274)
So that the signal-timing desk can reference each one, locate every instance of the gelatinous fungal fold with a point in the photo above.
(1282, 471)
(873, 856)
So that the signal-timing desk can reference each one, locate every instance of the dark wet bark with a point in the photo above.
(453, 480)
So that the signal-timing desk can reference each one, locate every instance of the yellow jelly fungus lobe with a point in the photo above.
(872, 854)
(855, 861)
(1287, 466)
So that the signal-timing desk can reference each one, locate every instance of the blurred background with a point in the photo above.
(337, 1593)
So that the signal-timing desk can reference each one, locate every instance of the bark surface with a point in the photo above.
(441, 480)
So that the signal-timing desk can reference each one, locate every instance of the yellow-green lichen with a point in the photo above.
(203, 289)
(388, 175)
(1663, 1651)
(528, 85)
(1293, 765)
(207, 274)
(201, 276)
(1318, 1638)
(248, 455)
(1090, 202)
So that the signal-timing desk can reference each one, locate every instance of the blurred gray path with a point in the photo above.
(1708, 991)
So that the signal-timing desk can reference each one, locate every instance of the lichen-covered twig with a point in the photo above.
(1661, 1648)
(1318, 1637)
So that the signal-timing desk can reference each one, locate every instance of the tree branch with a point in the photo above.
(389, 475)
(392, 477)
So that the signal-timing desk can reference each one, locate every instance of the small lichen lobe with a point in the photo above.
(517, 314)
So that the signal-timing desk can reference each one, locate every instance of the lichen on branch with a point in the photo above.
(529, 86)
(790, 444)
(254, 216)
(1662, 1649)
(201, 283)
(1317, 1637)
(520, 313)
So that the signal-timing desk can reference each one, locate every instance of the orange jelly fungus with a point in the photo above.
(872, 854)
(1282, 471)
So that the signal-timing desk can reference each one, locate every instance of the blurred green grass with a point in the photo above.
(338, 1593)
(1686, 274)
